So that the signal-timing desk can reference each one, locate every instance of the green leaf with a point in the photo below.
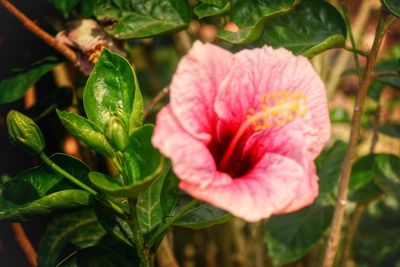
(390, 129)
(40, 191)
(362, 187)
(142, 161)
(314, 26)
(289, 237)
(148, 207)
(114, 225)
(14, 87)
(112, 90)
(389, 66)
(339, 115)
(113, 186)
(92, 257)
(78, 228)
(201, 216)
(60, 201)
(64, 6)
(208, 8)
(393, 6)
(387, 171)
(87, 7)
(329, 166)
(251, 16)
(169, 193)
(86, 132)
(142, 19)
(375, 89)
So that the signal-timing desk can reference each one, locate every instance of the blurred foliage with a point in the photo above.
(147, 32)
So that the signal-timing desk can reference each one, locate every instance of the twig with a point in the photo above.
(25, 244)
(387, 74)
(357, 51)
(353, 43)
(344, 56)
(39, 32)
(160, 96)
(334, 234)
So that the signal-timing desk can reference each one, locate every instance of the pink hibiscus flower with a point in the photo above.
(243, 130)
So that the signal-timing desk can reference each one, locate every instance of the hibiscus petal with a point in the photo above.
(269, 188)
(191, 159)
(194, 87)
(258, 72)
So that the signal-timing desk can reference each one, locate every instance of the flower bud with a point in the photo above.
(116, 134)
(24, 131)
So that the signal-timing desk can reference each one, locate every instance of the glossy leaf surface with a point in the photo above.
(14, 87)
(80, 229)
(86, 132)
(95, 256)
(142, 19)
(142, 161)
(313, 27)
(289, 237)
(393, 6)
(112, 90)
(251, 16)
(40, 191)
(208, 8)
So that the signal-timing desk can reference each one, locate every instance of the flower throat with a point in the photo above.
(276, 109)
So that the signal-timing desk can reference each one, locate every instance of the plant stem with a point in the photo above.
(75, 181)
(387, 74)
(353, 43)
(334, 234)
(144, 253)
(164, 227)
(160, 96)
(356, 51)
(25, 244)
(39, 32)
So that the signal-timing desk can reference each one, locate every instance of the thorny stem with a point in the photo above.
(335, 230)
(25, 244)
(39, 32)
(74, 180)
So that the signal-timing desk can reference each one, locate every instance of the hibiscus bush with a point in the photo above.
(199, 133)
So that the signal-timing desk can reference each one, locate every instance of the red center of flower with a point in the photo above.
(277, 109)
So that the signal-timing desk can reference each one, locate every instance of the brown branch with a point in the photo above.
(25, 244)
(39, 32)
(337, 221)
(160, 96)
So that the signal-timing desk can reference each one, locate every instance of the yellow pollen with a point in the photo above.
(276, 109)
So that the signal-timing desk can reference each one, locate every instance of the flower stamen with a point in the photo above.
(277, 109)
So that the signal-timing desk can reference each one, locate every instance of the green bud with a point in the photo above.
(116, 134)
(24, 131)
